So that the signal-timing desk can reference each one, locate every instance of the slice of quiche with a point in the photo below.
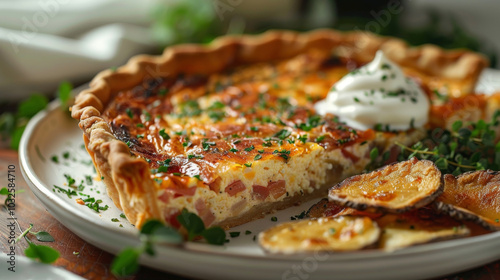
(229, 130)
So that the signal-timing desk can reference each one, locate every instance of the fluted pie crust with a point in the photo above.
(128, 177)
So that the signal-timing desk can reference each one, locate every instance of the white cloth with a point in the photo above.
(44, 42)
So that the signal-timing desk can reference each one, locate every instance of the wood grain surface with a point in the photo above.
(91, 262)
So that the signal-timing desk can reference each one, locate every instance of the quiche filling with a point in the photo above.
(233, 143)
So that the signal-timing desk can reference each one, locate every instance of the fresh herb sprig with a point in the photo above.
(154, 232)
(5, 191)
(12, 125)
(64, 95)
(196, 228)
(461, 149)
(44, 254)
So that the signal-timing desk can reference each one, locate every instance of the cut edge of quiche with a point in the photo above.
(128, 179)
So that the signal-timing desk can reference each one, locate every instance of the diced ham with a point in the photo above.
(204, 212)
(176, 192)
(260, 192)
(234, 188)
(171, 217)
(277, 189)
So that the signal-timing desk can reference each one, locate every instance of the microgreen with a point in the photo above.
(465, 147)
(5, 191)
(12, 125)
(44, 254)
(152, 232)
(64, 95)
(126, 263)
(43, 236)
(155, 232)
(195, 227)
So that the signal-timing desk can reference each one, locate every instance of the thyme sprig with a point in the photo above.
(466, 147)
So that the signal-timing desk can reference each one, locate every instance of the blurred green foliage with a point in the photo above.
(440, 29)
(188, 21)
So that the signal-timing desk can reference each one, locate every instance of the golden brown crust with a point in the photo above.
(127, 178)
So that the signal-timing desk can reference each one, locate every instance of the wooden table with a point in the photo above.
(91, 262)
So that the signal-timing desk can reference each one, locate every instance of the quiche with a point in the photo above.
(229, 130)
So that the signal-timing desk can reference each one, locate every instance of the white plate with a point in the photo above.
(27, 269)
(52, 132)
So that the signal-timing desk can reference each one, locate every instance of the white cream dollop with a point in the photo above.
(377, 94)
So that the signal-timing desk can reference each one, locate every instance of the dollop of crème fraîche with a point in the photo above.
(377, 94)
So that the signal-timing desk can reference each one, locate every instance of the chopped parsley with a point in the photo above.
(300, 216)
(88, 180)
(283, 134)
(190, 108)
(69, 179)
(163, 92)
(197, 177)
(54, 159)
(69, 192)
(164, 135)
(129, 112)
(66, 155)
(216, 105)
(320, 138)
(216, 115)
(249, 149)
(310, 123)
(303, 138)
(94, 204)
(206, 145)
(285, 154)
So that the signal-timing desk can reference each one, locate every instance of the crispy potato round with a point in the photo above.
(472, 196)
(344, 233)
(395, 188)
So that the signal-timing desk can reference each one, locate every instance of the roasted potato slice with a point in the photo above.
(395, 188)
(417, 226)
(325, 208)
(344, 233)
(472, 196)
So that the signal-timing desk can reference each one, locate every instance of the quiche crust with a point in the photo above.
(128, 178)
